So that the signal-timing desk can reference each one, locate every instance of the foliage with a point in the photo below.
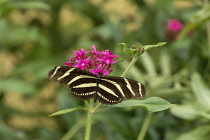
(37, 35)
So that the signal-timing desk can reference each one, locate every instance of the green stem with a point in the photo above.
(88, 125)
(91, 108)
(129, 66)
(208, 34)
(89, 120)
(145, 126)
(97, 106)
(206, 2)
(73, 130)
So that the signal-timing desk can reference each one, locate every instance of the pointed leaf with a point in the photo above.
(200, 17)
(29, 5)
(17, 86)
(165, 63)
(201, 91)
(198, 133)
(66, 111)
(186, 112)
(148, 64)
(147, 47)
(189, 112)
(152, 104)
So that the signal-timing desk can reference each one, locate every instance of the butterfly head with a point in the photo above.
(100, 74)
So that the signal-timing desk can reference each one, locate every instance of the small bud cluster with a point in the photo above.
(133, 50)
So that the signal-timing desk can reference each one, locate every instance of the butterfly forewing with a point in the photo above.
(106, 89)
(76, 79)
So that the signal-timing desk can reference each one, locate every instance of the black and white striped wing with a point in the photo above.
(81, 83)
(106, 89)
(119, 89)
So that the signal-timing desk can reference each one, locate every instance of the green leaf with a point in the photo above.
(199, 18)
(199, 133)
(29, 5)
(201, 91)
(149, 64)
(165, 62)
(66, 111)
(152, 104)
(16, 85)
(188, 112)
(147, 47)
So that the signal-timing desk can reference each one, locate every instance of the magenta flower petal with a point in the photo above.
(82, 64)
(107, 60)
(108, 53)
(94, 71)
(80, 54)
(105, 72)
(99, 69)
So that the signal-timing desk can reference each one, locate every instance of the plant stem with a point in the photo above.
(88, 125)
(129, 66)
(89, 120)
(206, 2)
(91, 108)
(73, 130)
(145, 127)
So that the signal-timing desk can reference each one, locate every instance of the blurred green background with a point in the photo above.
(37, 35)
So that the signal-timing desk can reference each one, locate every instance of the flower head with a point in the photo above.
(173, 29)
(97, 62)
(174, 25)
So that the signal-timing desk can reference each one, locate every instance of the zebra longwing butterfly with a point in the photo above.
(105, 89)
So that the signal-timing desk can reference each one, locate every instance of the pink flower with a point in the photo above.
(80, 54)
(173, 29)
(99, 71)
(94, 50)
(82, 64)
(106, 60)
(174, 25)
(109, 54)
(97, 62)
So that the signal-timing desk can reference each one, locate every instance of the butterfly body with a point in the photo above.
(105, 89)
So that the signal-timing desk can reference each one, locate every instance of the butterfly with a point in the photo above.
(105, 89)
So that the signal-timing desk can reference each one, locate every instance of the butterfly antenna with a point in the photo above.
(118, 62)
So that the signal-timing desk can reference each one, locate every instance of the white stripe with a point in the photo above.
(107, 89)
(78, 77)
(103, 97)
(86, 85)
(99, 94)
(140, 89)
(56, 69)
(84, 94)
(129, 86)
(66, 73)
(117, 85)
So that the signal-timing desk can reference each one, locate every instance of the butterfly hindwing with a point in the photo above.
(128, 88)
